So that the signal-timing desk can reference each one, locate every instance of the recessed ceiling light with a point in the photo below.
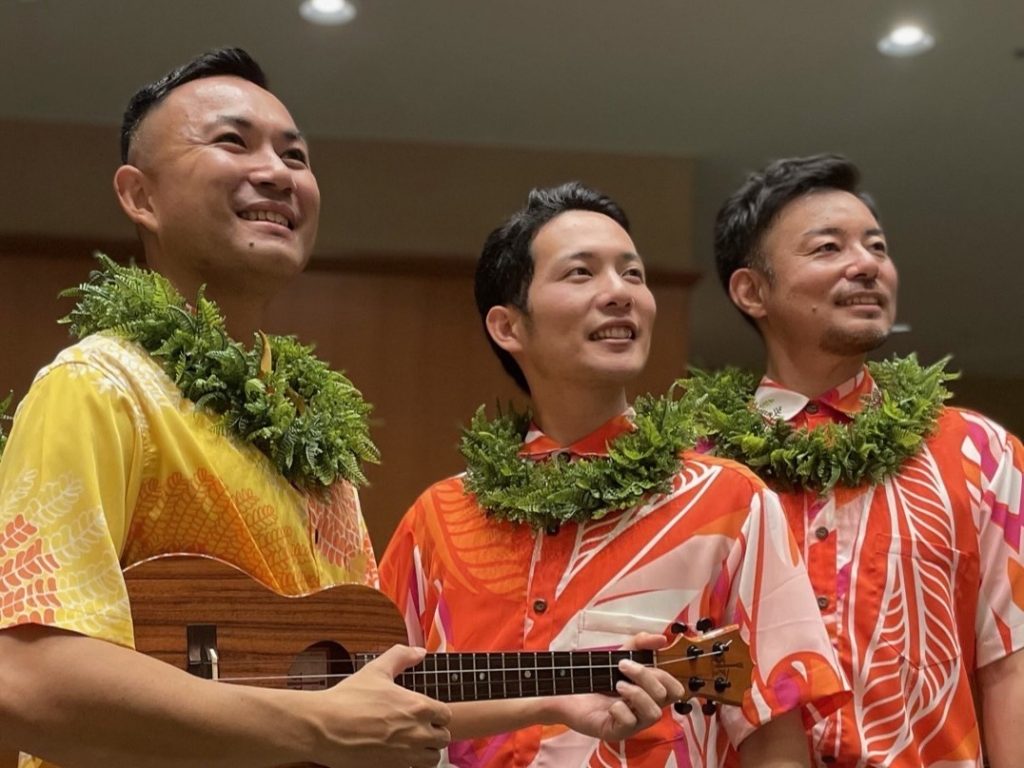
(906, 40)
(327, 11)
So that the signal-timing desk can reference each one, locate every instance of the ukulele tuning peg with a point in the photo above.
(683, 707)
(722, 684)
(705, 624)
(678, 628)
(709, 708)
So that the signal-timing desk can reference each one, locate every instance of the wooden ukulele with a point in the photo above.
(212, 620)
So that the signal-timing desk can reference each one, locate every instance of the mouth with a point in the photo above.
(615, 332)
(274, 217)
(862, 300)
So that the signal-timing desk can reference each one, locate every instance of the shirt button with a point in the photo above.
(811, 408)
(823, 602)
(553, 529)
(539, 606)
(821, 533)
(828, 758)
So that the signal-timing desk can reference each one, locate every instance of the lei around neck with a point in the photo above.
(558, 489)
(891, 428)
(310, 421)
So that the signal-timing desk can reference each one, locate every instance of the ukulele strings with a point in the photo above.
(467, 672)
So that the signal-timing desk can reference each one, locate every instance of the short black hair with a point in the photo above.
(505, 269)
(222, 61)
(747, 215)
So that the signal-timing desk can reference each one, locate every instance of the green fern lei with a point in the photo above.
(4, 405)
(891, 428)
(307, 419)
(521, 490)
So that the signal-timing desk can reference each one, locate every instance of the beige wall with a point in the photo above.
(378, 197)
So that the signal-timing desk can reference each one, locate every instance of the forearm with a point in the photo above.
(84, 702)
(1001, 688)
(474, 720)
(781, 743)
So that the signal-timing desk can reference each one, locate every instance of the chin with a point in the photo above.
(850, 342)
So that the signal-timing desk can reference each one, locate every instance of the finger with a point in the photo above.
(645, 709)
(650, 680)
(397, 659)
(646, 641)
(624, 721)
(427, 758)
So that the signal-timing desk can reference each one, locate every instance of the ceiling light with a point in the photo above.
(327, 11)
(906, 40)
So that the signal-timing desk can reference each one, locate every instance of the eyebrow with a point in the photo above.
(292, 134)
(838, 231)
(629, 256)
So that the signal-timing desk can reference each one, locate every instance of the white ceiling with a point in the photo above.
(732, 83)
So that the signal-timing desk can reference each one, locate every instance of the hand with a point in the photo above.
(640, 705)
(370, 721)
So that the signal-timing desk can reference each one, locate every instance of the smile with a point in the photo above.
(853, 301)
(271, 216)
(613, 332)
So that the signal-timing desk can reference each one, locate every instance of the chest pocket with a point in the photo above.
(926, 597)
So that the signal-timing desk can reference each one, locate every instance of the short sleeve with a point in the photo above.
(402, 578)
(994, 468)
(794, 663)
(67, 482)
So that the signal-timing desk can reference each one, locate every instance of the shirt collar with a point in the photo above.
(537, 445)
(848, 398)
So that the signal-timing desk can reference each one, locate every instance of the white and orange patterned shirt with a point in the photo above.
(108, 465)
(715, 546)
(920, 581)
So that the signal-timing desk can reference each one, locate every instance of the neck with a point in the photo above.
(243, 311)
(566, 414)
(810, 374)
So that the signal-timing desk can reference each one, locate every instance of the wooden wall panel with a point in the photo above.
(405, 330)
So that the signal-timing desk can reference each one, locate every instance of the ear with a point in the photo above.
(747, 289)
(132, 189)
(505, 326)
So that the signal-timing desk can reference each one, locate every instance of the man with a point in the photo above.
(907, 512)
(109, 464)
(524, 553)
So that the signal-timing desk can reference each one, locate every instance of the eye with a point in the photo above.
(636, 274)
(230, 137)
(296, 156)
(828, 247)
(880, 246)
(579, 271)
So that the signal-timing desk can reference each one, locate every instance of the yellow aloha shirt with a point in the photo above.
(108, 465)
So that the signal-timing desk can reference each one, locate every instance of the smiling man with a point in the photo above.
(588, 523)
(109, 463)
(906, 511)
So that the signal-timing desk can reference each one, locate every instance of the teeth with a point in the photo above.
(271, 216)
(615, 332)
(860, 300)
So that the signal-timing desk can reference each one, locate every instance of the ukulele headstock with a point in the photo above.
(715, 665)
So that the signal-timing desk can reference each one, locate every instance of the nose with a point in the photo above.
(863, 265)
(618, 292)
(270, 171)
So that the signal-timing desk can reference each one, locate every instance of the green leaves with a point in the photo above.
(890, 429)
(309, 420)
(556, 490)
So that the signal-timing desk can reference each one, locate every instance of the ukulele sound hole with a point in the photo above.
(320, 666)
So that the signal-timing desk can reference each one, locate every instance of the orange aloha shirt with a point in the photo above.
(715, 546)
(920, 582)
(108, 465)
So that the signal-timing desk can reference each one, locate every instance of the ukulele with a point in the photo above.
(216, 622)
